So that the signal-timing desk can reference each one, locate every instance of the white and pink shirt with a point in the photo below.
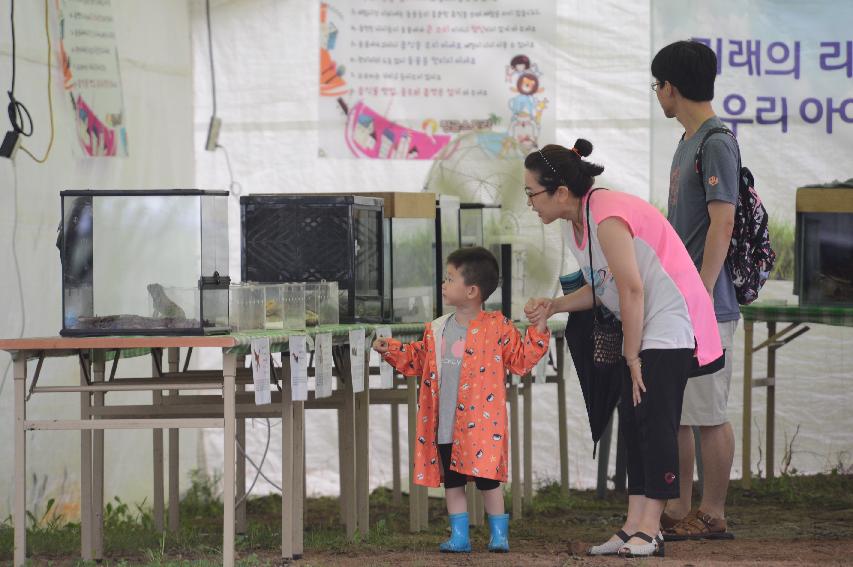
(678, 312)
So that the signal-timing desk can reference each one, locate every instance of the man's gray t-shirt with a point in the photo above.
(452, 351)
(689, 197)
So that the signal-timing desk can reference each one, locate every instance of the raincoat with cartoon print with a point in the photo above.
(493, 346)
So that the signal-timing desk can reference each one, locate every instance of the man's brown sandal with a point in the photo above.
(698, 525)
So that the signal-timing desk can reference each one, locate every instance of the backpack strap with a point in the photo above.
(697, 160)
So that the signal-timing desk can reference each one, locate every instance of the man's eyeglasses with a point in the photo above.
(656, 85)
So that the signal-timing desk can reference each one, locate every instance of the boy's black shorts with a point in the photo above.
(453, 479)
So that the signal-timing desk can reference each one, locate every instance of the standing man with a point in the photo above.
(702, 211)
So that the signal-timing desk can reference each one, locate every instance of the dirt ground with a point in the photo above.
(737, 553)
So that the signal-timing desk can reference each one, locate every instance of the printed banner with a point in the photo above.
(401, 80)
(784, 87)
(89, 61)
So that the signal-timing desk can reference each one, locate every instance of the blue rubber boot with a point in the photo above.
(459, 541)
(499, 527)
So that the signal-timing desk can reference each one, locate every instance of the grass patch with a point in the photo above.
(782, 240)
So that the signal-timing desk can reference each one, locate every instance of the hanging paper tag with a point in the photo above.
(298, 368)
(261, 370)
(356, 352)
(323, 364)
(386, 371)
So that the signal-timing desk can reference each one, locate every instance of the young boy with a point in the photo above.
(462, 427)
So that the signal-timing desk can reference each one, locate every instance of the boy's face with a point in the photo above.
(453, 289)
(666, 99)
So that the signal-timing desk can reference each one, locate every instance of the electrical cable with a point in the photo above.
(17, 269)
(257, 467)
(210, 54)
(16, 110)
(49, 92)
(235, 187)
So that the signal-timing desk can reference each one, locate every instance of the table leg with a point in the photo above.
(746, 443)
(346, 440)
(240, 513)
(229, 372)
(395, 452)
(362, 431)
(528, 439)
(414, 502)
(562, 417)
(287, 492)
(86, 539)
(19, 519)
(515, 454)
(174, 355)
(157, 435)
(98, 464)
(771, 400)
(298, 487)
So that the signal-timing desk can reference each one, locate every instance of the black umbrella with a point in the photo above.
(601, 386)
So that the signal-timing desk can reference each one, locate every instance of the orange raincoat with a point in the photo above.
(493, 346)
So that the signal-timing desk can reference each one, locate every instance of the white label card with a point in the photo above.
(323, 364)
(261, 370)
(298, 368)
(386, 371)
(356, 353)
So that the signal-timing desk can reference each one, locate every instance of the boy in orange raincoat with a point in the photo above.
(462, 426)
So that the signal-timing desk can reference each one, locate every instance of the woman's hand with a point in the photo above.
(537, 310)
(637, 386)
(380, 346)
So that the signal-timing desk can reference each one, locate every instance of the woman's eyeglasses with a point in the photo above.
(656, 85)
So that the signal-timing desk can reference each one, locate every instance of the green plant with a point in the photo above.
(782, 239)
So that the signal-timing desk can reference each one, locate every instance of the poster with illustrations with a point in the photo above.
(88, 59)
(402, 80)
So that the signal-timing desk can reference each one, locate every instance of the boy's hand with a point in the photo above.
(380, 346)
(538, 310)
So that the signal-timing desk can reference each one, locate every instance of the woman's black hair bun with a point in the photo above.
(584, 147)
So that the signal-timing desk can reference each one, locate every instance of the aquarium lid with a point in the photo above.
(312, 199)
(465, 206)
(825, 199)
(140, 193)
(405, 204)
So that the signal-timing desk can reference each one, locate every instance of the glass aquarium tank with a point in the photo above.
(248, 306)
(284, 306)
(312, 238)
(446, 240)
(322, 306)
(409, 247)
(478, 224)
(823, 260)
(144, 262)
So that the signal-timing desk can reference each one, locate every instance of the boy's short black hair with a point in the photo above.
(690, 66)
(478, 267)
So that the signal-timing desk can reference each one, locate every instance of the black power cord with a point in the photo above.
(19, 116)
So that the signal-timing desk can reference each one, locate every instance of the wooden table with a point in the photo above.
(174, 412)
(796, 316)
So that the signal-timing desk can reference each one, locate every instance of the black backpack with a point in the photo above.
(750, 257)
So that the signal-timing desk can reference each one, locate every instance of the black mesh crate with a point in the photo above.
(304, 238)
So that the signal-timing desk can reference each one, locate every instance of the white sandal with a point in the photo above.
(610, 547)
(652, 548)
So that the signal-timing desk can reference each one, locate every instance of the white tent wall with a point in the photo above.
(266, 67)
(156, 72)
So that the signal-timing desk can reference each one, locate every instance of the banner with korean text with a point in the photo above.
(401, 80)
(784, 86)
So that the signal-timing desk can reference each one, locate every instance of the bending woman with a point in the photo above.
(644, 275)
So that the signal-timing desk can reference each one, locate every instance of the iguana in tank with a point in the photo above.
(163, 306)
